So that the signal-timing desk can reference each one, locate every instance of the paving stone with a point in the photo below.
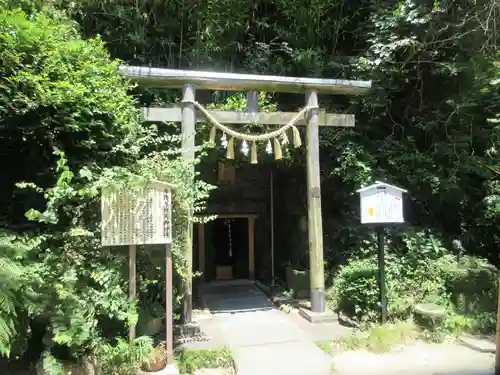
(480, 343)
(319, 331)
(263, 340)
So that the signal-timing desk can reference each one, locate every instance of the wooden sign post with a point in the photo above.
(142, 217)
(381, 206)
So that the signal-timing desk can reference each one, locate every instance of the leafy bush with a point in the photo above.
(472, 285)
(355, 290)
(123, 358)
(58, 93)
(419, 270)
(414, 273)
(64, 108)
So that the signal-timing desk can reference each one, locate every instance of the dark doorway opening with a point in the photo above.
(230, 244)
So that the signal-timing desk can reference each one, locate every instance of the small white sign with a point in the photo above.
(381, 203)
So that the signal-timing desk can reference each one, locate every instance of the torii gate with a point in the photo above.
(187, 115)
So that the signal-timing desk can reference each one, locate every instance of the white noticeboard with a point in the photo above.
(381, 203)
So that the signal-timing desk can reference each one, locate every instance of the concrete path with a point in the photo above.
(263, 340)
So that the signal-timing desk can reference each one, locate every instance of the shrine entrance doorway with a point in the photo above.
(229, 244)
(226, 248)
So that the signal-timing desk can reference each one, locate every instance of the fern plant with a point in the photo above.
(11, 277)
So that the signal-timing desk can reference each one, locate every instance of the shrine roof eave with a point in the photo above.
(171, 78)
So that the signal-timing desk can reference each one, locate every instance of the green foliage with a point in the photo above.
(58, 93)
(52, 365)
(74, 283)
(355, 290)
(493, 151)
(419, 270)
(123, 358)
(473, 285)
(416, 270)
(67, 117)
(12, 297)
(414, 274)
(377, 339)
(429, 125)
(424, 126)
(326, 346)
(190, 360)
(455, 324)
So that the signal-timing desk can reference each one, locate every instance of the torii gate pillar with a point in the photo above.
(188, 131)
(314, 220)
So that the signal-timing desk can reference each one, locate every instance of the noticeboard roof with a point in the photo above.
(378, 184)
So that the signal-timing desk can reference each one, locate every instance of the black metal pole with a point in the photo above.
(381, 275)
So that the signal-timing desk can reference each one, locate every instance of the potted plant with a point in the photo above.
(157, 360)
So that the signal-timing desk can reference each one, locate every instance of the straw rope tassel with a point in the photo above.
(297, 142)
(253, 155)
(230, 149)
(213, 132)
(277, 149)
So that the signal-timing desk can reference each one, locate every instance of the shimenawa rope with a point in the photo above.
(254, 137)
